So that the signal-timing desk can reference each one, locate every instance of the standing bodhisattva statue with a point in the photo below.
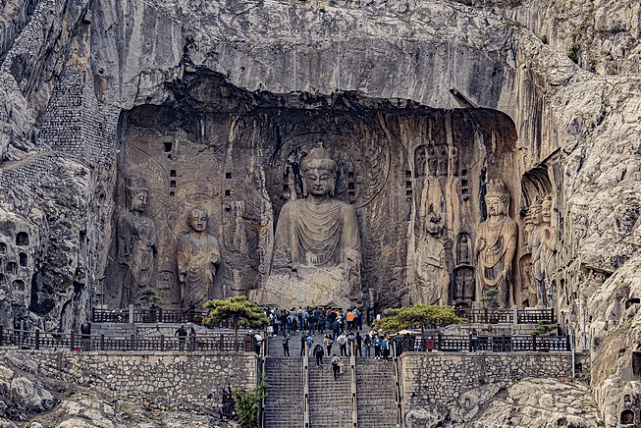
(198, 256)
(137, 246)
(317, 249)
(496, 246)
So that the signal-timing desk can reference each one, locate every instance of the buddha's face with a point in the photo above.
(199, 220)
(319, 182)
(139, 202)
(546, 211)
(495, 206)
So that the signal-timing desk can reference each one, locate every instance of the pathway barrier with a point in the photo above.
(533, 343)
(511, 316)
(83, 342)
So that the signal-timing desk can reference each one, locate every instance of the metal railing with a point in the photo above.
(493, 343)
(511, 316)
(149, 316)
(37, 339)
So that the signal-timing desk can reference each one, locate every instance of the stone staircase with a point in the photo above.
(330, 401)
(284, 402)
(375, 393)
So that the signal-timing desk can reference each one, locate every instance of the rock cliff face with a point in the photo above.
(215, 104)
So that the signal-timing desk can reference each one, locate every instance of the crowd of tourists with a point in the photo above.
(328, 331)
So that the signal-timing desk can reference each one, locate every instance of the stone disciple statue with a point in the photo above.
(496, 246)
(198, 256)
(317, 247)
(136, 243)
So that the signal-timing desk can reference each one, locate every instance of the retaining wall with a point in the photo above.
(194, 380)
(430, 378)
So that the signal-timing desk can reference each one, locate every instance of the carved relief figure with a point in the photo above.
(496, 246)
(136, 243)
(543, 246)
(432, 277)
(463, 250)
(317, 248)
(420, 161)
(198, 256)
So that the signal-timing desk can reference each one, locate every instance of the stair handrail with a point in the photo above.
(352, 365)
(305, 386)
(397, 395)
(262, 358)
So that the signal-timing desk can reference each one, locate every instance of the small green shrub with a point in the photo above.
(573, 52)
(247, 403)
(544, 39)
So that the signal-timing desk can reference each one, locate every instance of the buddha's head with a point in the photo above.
(319, 173)
(497, 198)
(137, 194)
(198, 219)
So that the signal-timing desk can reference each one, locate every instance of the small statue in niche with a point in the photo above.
(136, 243)
(198, 256)
(496, 246)
(317, 247)
(463, 286)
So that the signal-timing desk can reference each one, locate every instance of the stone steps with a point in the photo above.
(330, 401)
(284, 402)
(376, 392)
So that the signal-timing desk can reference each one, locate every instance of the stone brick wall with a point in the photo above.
(440, 378)
(194, 380)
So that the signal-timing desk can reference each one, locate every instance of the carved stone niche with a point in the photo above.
(241, 157)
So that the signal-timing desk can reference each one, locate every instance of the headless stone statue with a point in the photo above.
(136, 244)
(317, 248)
(198, 256)
(496, 246)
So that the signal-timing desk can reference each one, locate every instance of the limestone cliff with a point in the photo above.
(217, 101)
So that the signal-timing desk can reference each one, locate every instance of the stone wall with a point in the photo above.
(429, 379)
(194, 380)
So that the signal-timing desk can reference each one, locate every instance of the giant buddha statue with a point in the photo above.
(317, 247)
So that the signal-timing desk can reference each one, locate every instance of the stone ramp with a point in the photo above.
(375, 393)
(284, 402)
(330, 401)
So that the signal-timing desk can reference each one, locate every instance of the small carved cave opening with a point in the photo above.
(633, 301)
(22, 238)
(2, 279)
(11, 268)
(627, 417)
(636, 364)
(3, 248)
(18, 285)
(23, 259)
